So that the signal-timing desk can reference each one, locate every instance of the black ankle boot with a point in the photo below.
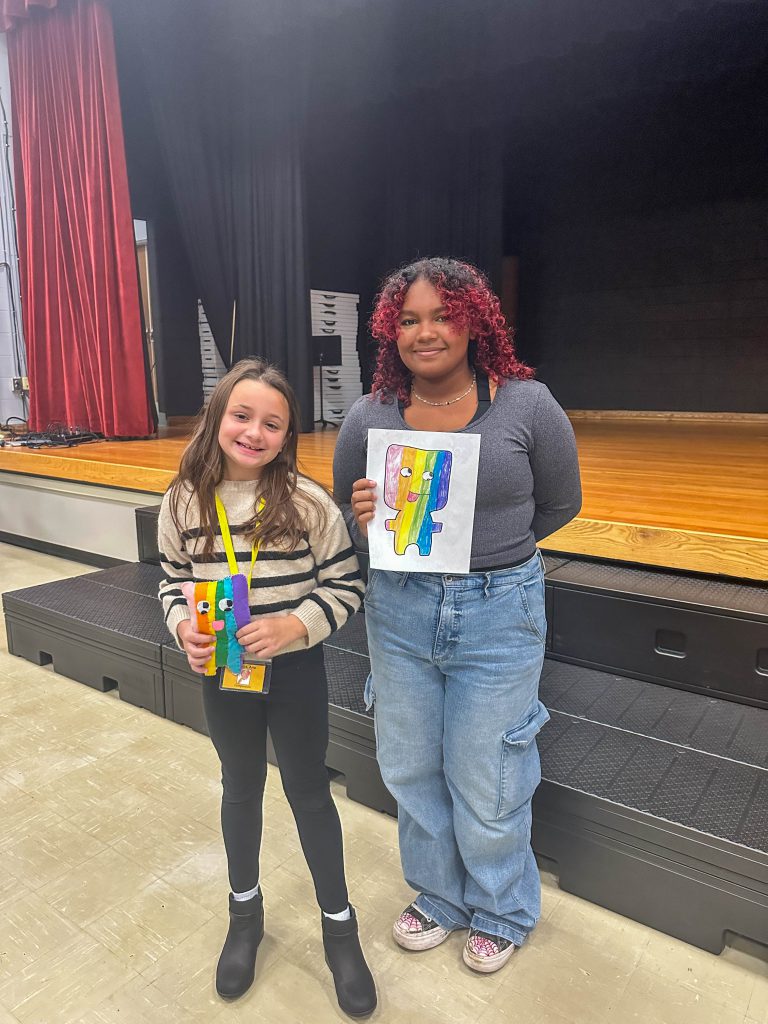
(234, 973)
(355, 989)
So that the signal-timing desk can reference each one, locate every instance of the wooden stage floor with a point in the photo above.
(683, 493)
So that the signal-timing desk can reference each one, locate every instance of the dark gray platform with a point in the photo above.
(674, 879)
(690, 632)
(146, 533)
(696, 761)
(699, 593)
(183, 689)
(714, 795)
(352, 746)
(351, 637)
(102, 636)
(718, 727)
(655, 797)
(135, 577)
(552, 562)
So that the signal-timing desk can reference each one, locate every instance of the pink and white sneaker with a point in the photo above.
(487, 953)
(414, 930)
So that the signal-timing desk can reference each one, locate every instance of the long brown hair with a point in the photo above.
(202, 467)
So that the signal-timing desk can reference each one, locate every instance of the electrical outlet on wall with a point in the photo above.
(21, 385)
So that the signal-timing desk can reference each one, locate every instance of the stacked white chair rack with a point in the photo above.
(335, 313)
(213, 364)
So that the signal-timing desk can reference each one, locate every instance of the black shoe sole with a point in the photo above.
(230, 997)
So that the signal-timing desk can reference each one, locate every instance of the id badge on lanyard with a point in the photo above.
(253, 677)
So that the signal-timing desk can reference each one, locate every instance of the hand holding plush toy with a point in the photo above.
(218, 609)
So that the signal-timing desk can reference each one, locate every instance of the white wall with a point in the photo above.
(101, 520)
(10, 404)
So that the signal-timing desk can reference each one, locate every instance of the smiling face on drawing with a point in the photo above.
(417, 477)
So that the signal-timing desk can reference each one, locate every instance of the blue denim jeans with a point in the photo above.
(455, 666)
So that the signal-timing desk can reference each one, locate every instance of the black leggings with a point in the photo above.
(296, 711)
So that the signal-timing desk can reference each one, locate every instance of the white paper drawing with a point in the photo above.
(426, 483)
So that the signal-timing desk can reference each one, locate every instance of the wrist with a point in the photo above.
(182, 628)
(300, 629)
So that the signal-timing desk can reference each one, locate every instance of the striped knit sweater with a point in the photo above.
(319, 581)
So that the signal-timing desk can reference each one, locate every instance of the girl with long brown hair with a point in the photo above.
(239, 498)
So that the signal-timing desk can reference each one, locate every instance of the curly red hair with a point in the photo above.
(469, 302)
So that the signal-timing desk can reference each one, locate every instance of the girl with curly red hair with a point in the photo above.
(456, 659)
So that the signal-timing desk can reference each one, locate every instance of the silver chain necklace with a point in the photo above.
(450, 401)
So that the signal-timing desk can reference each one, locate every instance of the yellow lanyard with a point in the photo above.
(226, 536)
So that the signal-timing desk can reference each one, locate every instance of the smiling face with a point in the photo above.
(253, 429)
(412, 487)
(427, 341)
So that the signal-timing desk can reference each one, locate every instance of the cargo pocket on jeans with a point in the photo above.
(520, 766)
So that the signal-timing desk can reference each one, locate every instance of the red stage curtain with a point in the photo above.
(78, 262)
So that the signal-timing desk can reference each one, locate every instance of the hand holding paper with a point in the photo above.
(363, 503)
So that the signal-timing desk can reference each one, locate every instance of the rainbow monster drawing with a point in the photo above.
(416, 483)
(220, 608)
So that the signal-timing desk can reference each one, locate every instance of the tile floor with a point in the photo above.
(113, 893)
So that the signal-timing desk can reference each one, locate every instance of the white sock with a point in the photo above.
(241, 897)
(344, 915)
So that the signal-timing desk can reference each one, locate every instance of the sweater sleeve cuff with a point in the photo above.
(176, 615)
(314, 619)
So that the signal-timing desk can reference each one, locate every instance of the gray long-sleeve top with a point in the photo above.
(528, 482)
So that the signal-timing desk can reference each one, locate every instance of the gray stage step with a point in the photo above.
(103, 636)
(135, 577)
(715, 795)
(718, 727)
(146, 533)
(654, 800)
(699, 593)
(684, 631)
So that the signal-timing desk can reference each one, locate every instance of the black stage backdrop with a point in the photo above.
(319, 143)
(228, 119)
(238, 90)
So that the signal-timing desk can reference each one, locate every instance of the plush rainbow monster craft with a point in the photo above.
(219, 609)
(416, 484)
